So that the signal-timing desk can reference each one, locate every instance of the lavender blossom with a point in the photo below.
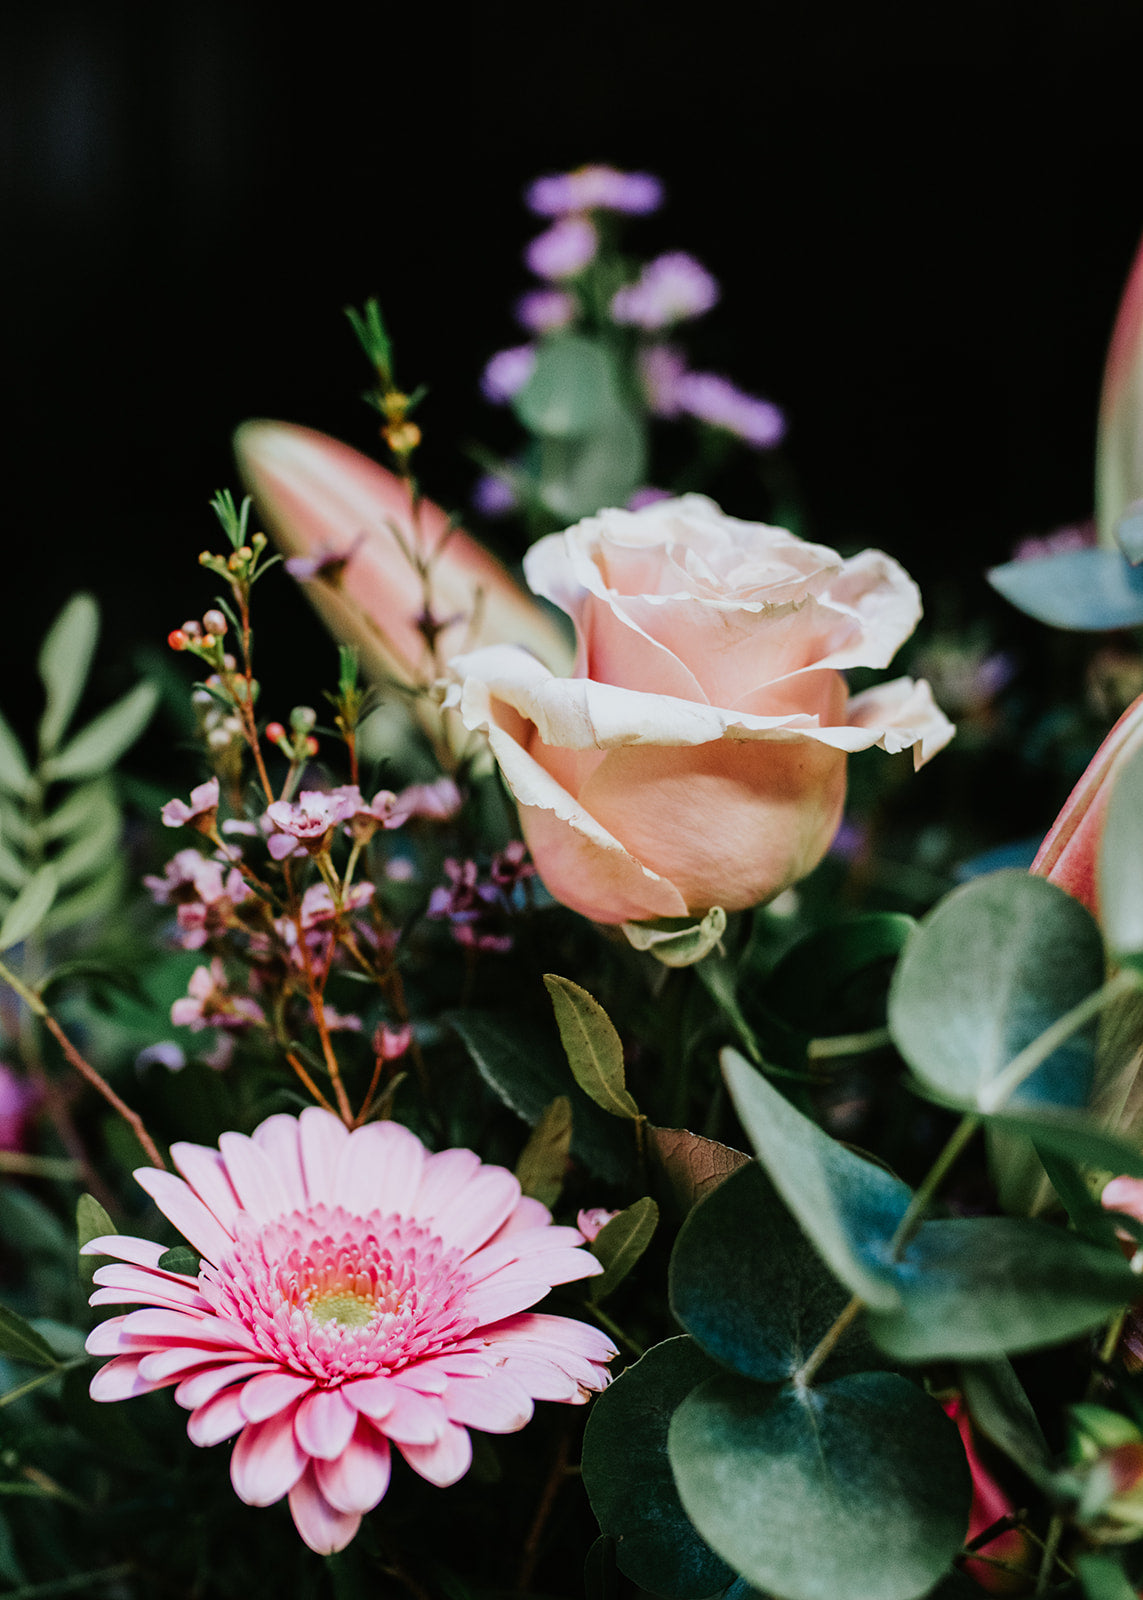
(563, 250)
(545, 310)
(670, 289)
(493, 496)
(662, 369)
(720, 403)
(594, 188)
(507, 372)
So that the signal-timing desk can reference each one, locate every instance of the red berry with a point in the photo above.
(177, 639)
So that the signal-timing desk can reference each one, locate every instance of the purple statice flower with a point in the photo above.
(200, 813)
(594, 188)
(511, 867)
(670, 289)
(326, 562)
(507, 372)
(308, 821)
(563, 250)
(662, 369)
(493, 496)
(648, 496)
(209, 1003)
(545, 310)
(722, 404)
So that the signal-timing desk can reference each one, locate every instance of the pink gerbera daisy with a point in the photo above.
(355, 1292)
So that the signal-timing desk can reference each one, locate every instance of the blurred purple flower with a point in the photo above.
(594, 188)
(493, 496)
(662, 369)
(563, 250)
(648, 497)
(545, 310)
(507, 372)
(1076, 537)
(18, 1101)
(717, 401)
(670, 289)
(437, 801)
(326, 562)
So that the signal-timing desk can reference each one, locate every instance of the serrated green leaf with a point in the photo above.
(543, 1160)
(857, 1489)
(64, 663)
(983, 976)
(594, 1050)
(15, 775)
(98, 746)
(620, 1244)
(628, 1476)
(29, 908)
(1121, 865)
(20, 1341)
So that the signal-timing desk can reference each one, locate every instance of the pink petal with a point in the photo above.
(322, 1526)
(503, 1296)
(120, 1380)
(325, 1423)
(267, 1461)
(194, 1391)
(414, 1418)
(159, 1326)
(534, 1245)
(180, 1205)
(140, 1252)
(529, 1213)
(373, 1397)
(444, 1175)
(278, 1137)
(162, 1287)
(444, 1462)
(175, 1361)
(216, 1419)
(496, 1404)
(270, 1392)
(364, 1181)
(473, 1215)
(255, 1180)
(541, 1379)
(320, 1137)
(205, 1171)
(358, 1479)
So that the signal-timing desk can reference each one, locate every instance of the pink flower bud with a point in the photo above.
(592, 1223)
(391, 1043)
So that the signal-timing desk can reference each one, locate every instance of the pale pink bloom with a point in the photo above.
(696, 757)
(438, 801)
(310, 819)
(594, 188)
(385, 810)
(392, 1043)
(204, 894)
(671, 288)
(1124, 1194)
(209, 1003)
(506, 373)
(592, 1223)
(200, 813)
(563, 250)
(341, 1021)
(318, 906)
(355, 1293)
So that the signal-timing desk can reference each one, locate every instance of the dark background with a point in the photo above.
(921, 218)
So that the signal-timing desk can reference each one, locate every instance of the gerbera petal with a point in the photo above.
(278, 1138)
(270, 1392)
(201, 1386)
(120, 1380)
(267, 1461)
(444, 1462)
(359, 1477)
(415, 1418)
(470, 1218)
(444, 1176)
(140, 1252)
(180, 1205)
(324, 1424)
(216, 1419)
(205, 1171)
(504, 1295)
(364, 1182)
(320, 1138)
(169, 1288)
(322, 1526)
(529, 1213)
(497, 1404)
(257, 1184)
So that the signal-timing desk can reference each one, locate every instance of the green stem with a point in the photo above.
(1048, 1559)
(923, 1197)
(993, 1095)
(827, 1343)
(848, 1044)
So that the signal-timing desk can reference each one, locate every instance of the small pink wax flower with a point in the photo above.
(209, 1003)
(355, 1293)
(200, 813)
(309, 820)
(592, 1223)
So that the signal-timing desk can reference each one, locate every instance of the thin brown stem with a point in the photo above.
(307, 1081)
(530, 1553)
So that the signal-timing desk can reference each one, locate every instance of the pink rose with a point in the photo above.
(696, 756)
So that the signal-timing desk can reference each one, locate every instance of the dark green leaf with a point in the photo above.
(629, 1481)
(593, 1047)
(827, 963)
(91, 1222)
(1121, 865)
(1002, 1412)
(620, 1244)
(1088, 590)
(29, 908)
(600, 1573)
(694, 1166)
(65, 659)
(20, 1341)
(987, 1286)
(98, 746)
(855, 1490)
(1103, 1578)
(180, 1258)
(848, 1207)
(985, 973)
(543, 1160)
(747, 1284)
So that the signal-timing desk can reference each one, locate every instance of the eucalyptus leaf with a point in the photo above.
(600, 1573)
(572, 386)
(594, 1050)
(29, 908)
(620, 1244)
(543, 1160)
(20, 1341)
(849, 1208)
(15, 774)
(831, 962)
(979, 1287)
(693, 1164)
(983, 976)
(581, 475)
(64, 663)
(857, 1489)
(1121, 865)
(748, 1285)
(629, 1481)
(1087, 590)
(98, 746)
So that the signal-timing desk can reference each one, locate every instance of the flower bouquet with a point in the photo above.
(541, 1119)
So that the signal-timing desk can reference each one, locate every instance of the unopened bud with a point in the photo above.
(402, 437)
(214, 622)
(207, 641)
(205, 558)
(244, 552)
(312, 746)
(302, 718)
(192, 629)
(229, 662)
(177, 639)
(275, 732)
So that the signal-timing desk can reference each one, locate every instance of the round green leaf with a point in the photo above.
(749, 1286)
(571, 389)
(984, 975)
(855, 1490)
(828, 962)
(628, 1477)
